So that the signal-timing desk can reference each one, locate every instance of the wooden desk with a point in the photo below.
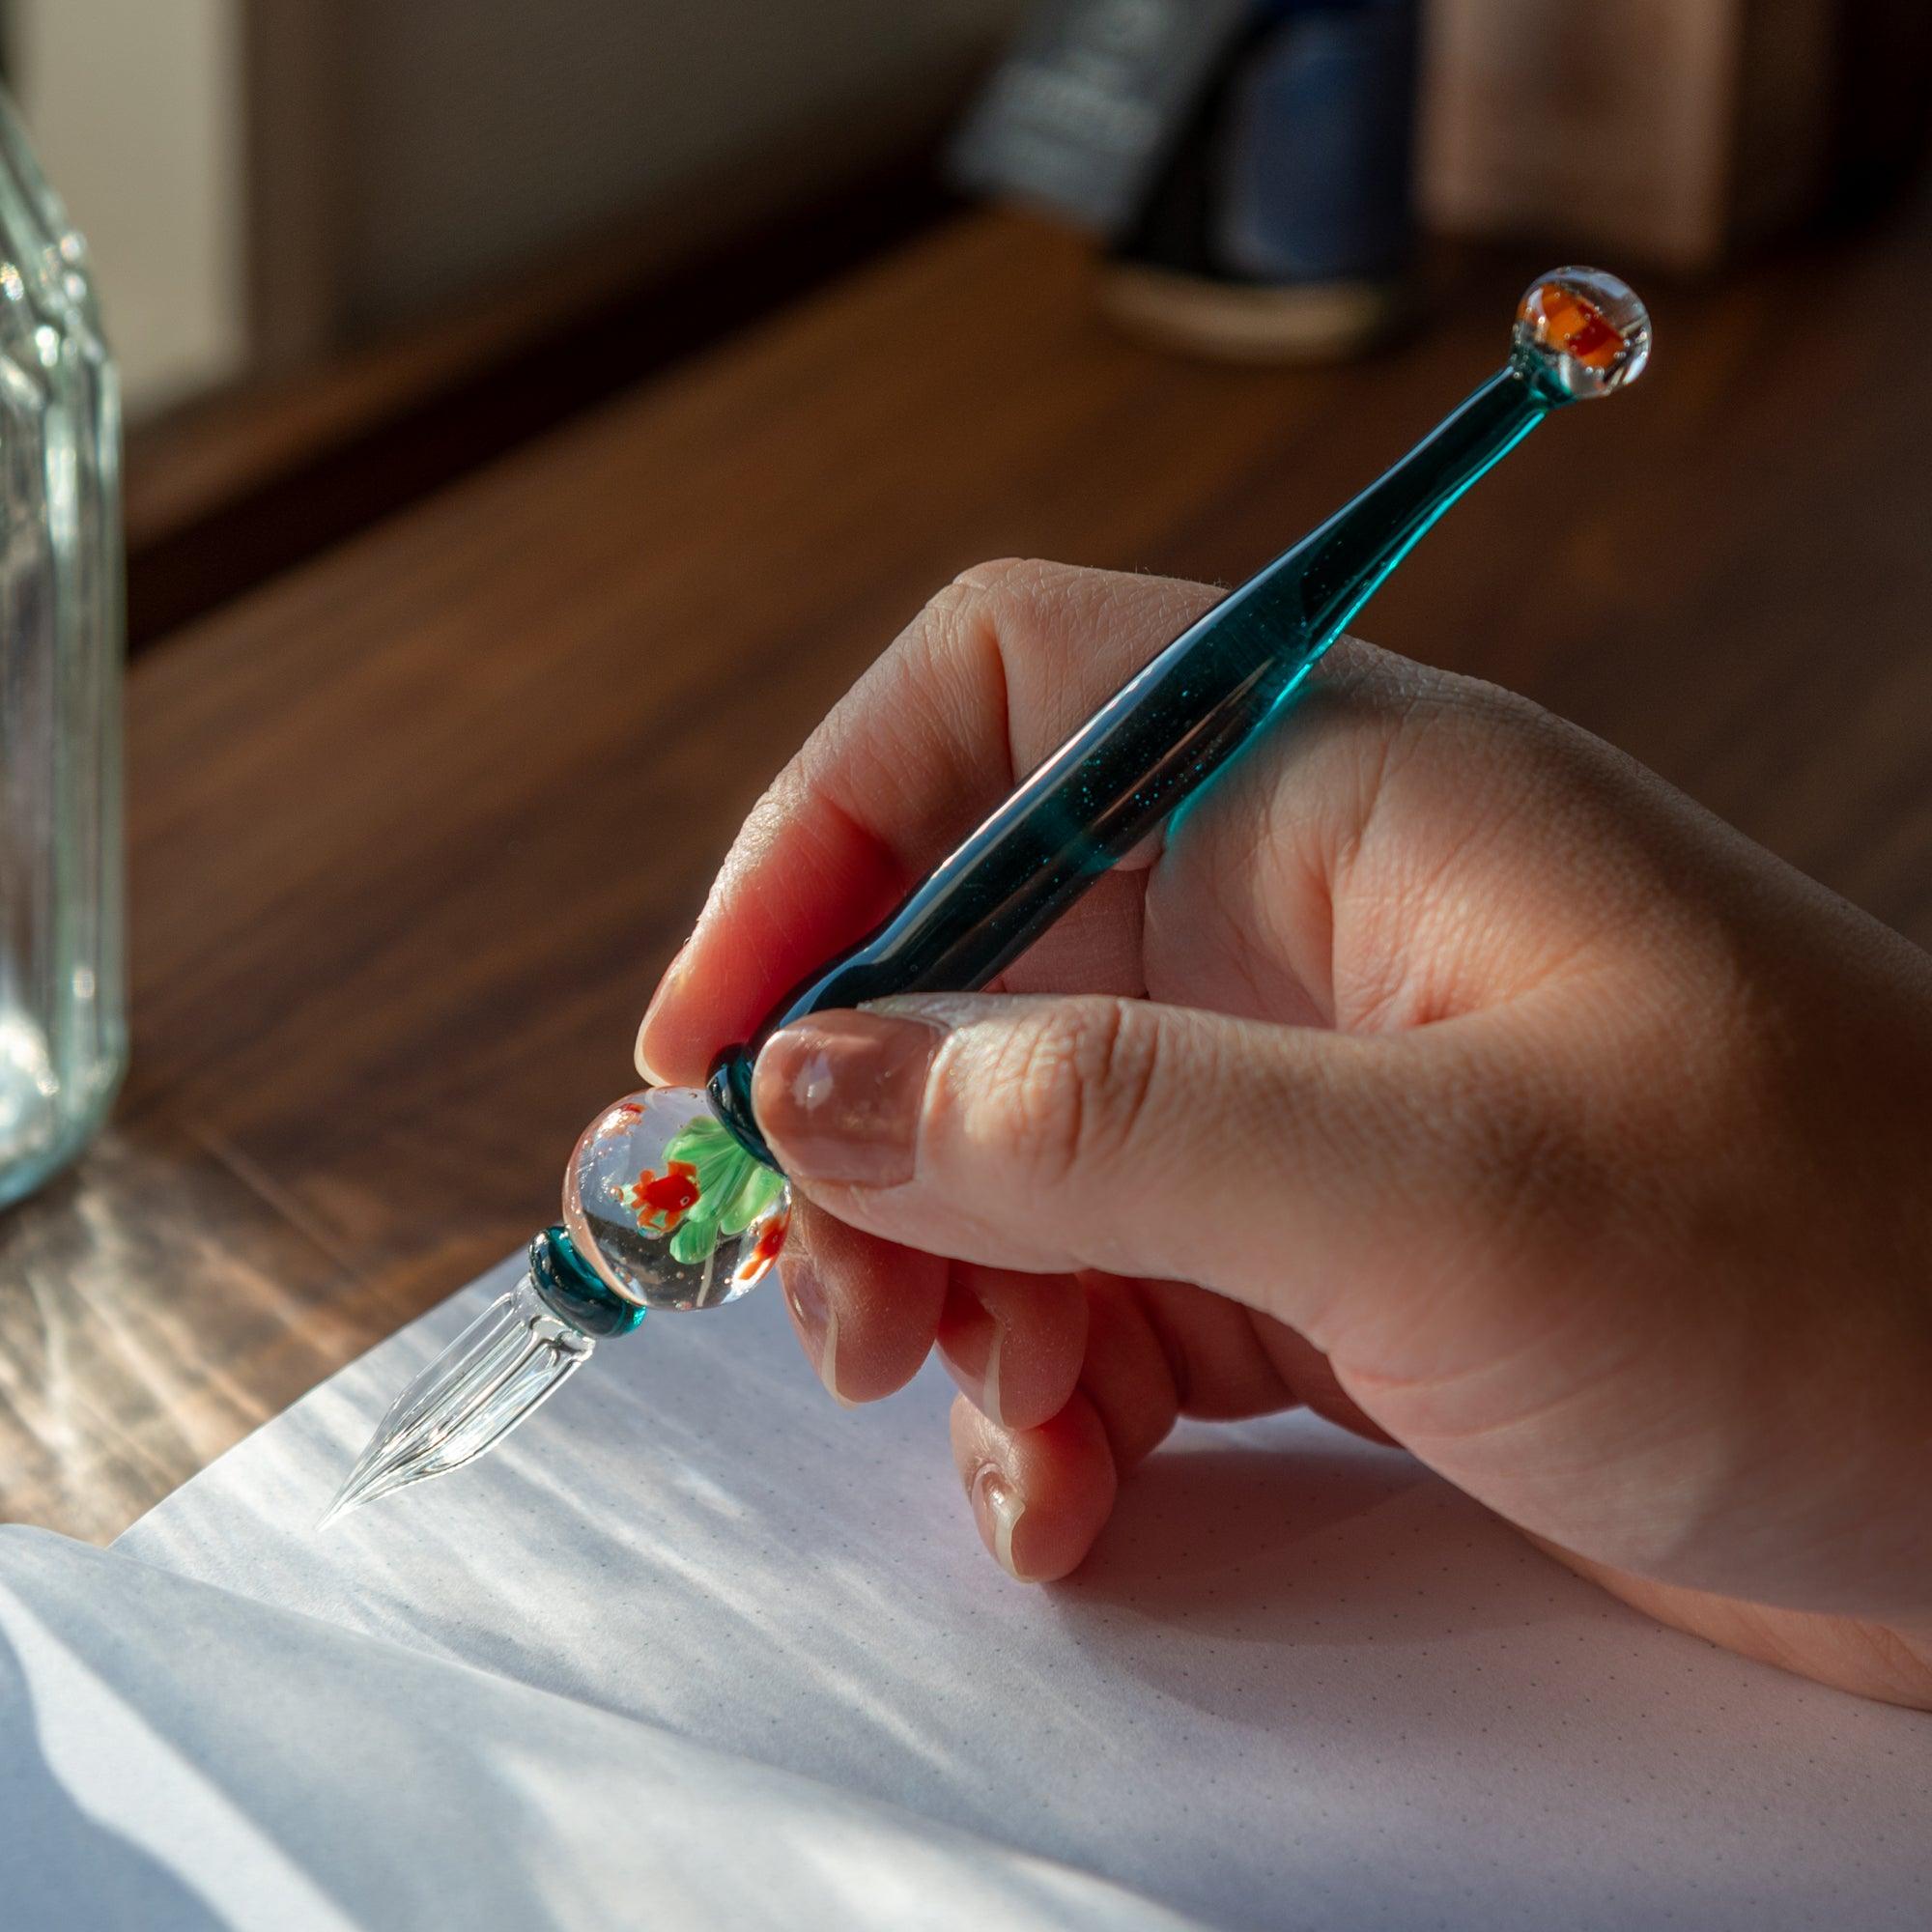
(414, 830)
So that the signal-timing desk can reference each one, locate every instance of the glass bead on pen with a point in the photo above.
(671, 1199)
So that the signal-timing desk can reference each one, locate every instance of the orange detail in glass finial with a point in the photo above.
(1573, 327)
(662, 1201)
(764, 1250)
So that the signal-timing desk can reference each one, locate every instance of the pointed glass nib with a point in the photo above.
(661, 1209)
(515, 1355)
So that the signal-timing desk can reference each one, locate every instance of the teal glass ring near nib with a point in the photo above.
(63, 1032)
(673, 1199)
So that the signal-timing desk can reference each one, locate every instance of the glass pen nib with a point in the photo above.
(661, 1209)
(515, 1355)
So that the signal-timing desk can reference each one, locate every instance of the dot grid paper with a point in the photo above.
(1302, 1681)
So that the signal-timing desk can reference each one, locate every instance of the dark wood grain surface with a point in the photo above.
(414, 829)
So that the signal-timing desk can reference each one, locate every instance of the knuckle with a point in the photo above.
(992, 575)
(1519, 1163)
(1426, 712)
(972, 620)
(991, 593)
(950, 616)
(1029, 594)
(1533, 1181)
(1078, 1081)
(1528, 746)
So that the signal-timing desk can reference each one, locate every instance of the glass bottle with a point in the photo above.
(63, 1029)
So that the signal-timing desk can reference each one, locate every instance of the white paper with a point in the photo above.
(1300, 1683)
(177, 1759)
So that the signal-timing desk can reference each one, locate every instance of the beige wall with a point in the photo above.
(484, 127)
(469, 136)
(134, 106)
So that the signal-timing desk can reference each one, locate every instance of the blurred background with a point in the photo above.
(326, 234)
(321, 227)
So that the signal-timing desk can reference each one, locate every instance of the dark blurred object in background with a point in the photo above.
(1672, 133)
(1248, 161)
(354, 249)
(1885, 103)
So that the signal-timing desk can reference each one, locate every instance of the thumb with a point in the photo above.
(1279, 1165)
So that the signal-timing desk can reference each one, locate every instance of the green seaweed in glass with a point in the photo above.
(63, 1032)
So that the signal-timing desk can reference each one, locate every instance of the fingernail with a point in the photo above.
(989, 1380)
(669, 984)
(998, 1508)
(816, 1321)
(838, 1096)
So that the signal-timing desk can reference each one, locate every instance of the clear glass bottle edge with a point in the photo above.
(47, 290)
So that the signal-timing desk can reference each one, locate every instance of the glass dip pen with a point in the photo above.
(673, 1200)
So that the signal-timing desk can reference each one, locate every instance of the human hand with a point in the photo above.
(1442, 1069)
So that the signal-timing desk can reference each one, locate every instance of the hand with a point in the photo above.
(1441, 1071)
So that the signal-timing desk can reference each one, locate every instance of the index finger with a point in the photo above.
(984, 682)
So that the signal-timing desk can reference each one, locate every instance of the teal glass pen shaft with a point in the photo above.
(1154, 742)
(663, 1209)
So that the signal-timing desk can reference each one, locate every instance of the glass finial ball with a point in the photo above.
(1583, 332)
(662, 1201)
